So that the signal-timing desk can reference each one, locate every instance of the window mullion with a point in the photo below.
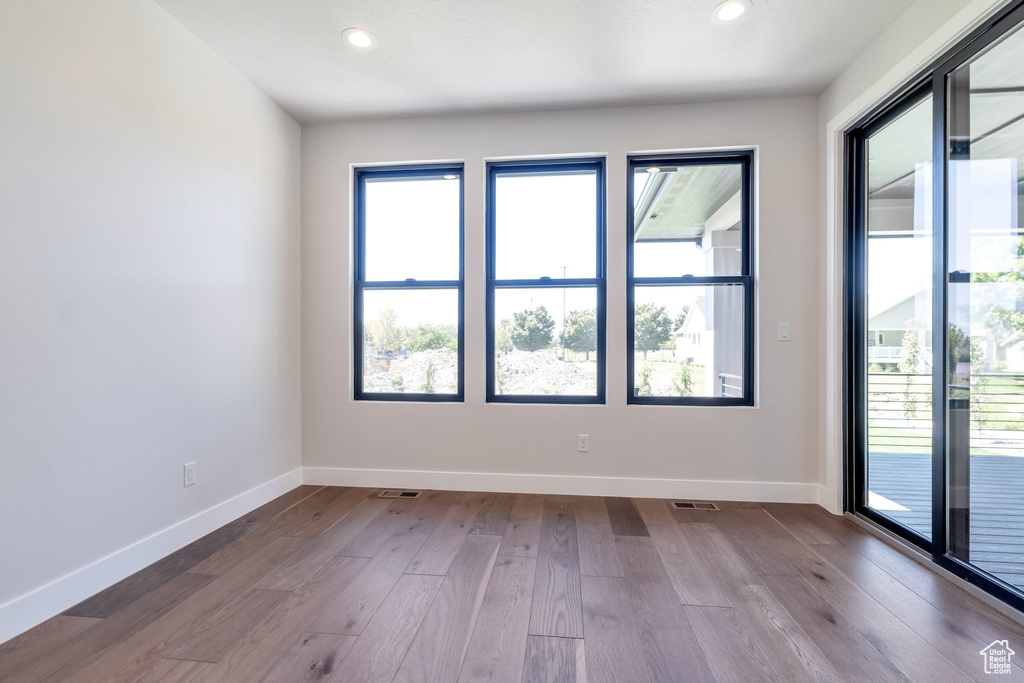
(409, 284)
(702, 281)
(545, 283)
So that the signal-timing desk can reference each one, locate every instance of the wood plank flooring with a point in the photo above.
(336, 584)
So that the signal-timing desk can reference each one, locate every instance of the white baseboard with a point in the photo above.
(830, 499)
(32, 608)
(766, 492)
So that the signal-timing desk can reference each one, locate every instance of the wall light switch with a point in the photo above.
(783, 331)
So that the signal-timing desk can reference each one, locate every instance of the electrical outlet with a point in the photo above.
(583, 443)
(190, 473)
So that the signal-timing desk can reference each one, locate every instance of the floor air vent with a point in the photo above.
(398, 493)
(691, 505)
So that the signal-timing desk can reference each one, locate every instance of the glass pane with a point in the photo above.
(686, 220)
(899, 324)
(688, 341)
(533, 357)
(545, 225)
(985, 336)
(410, 341)
(412, 228)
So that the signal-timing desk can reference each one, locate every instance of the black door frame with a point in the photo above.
(933, 80)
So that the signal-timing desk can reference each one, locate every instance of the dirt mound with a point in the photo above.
(542, 373)
(410, 374)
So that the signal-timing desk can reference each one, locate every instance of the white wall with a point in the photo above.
(767, 452)
(924, 32)
(904, 37)
(149, 293)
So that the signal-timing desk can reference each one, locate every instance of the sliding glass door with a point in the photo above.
(985, 310)
(935, 283)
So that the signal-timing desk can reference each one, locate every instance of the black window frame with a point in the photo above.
(745, 158)
(599, 282)
(361, 284)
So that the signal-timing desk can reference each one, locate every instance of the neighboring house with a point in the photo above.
(719, 353)
(694, 341)
(1010, 353)
(887, 328)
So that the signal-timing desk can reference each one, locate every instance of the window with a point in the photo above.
(408, 305)
(690, 293)
(546, 281)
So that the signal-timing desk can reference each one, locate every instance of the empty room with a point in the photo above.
(511, 341)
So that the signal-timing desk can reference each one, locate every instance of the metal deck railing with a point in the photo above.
(900, 413)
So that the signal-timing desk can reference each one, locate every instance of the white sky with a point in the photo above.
(544, 223)
(675, 298)
(412, 229)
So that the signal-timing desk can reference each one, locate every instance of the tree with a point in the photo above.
(977, 381)
(428, 378)
(502, 338)
(963, 348)
(910, 356)
(643, 387)
(385, 335)
(1006, 323)
(580, 334)
(499, 376)
(532, 330)
(681, 318)
(683, 381)
(426, 336)
(1011, 319)
(653, 327)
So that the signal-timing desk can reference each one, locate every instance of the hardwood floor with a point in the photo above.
(336, 584)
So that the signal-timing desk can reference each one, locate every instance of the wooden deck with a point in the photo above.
(997, 505)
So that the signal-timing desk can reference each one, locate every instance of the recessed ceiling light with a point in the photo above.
(730, 10)
(359, 38)
(450, 176)
(653, 169)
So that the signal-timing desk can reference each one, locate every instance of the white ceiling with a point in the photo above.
(485, 55)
